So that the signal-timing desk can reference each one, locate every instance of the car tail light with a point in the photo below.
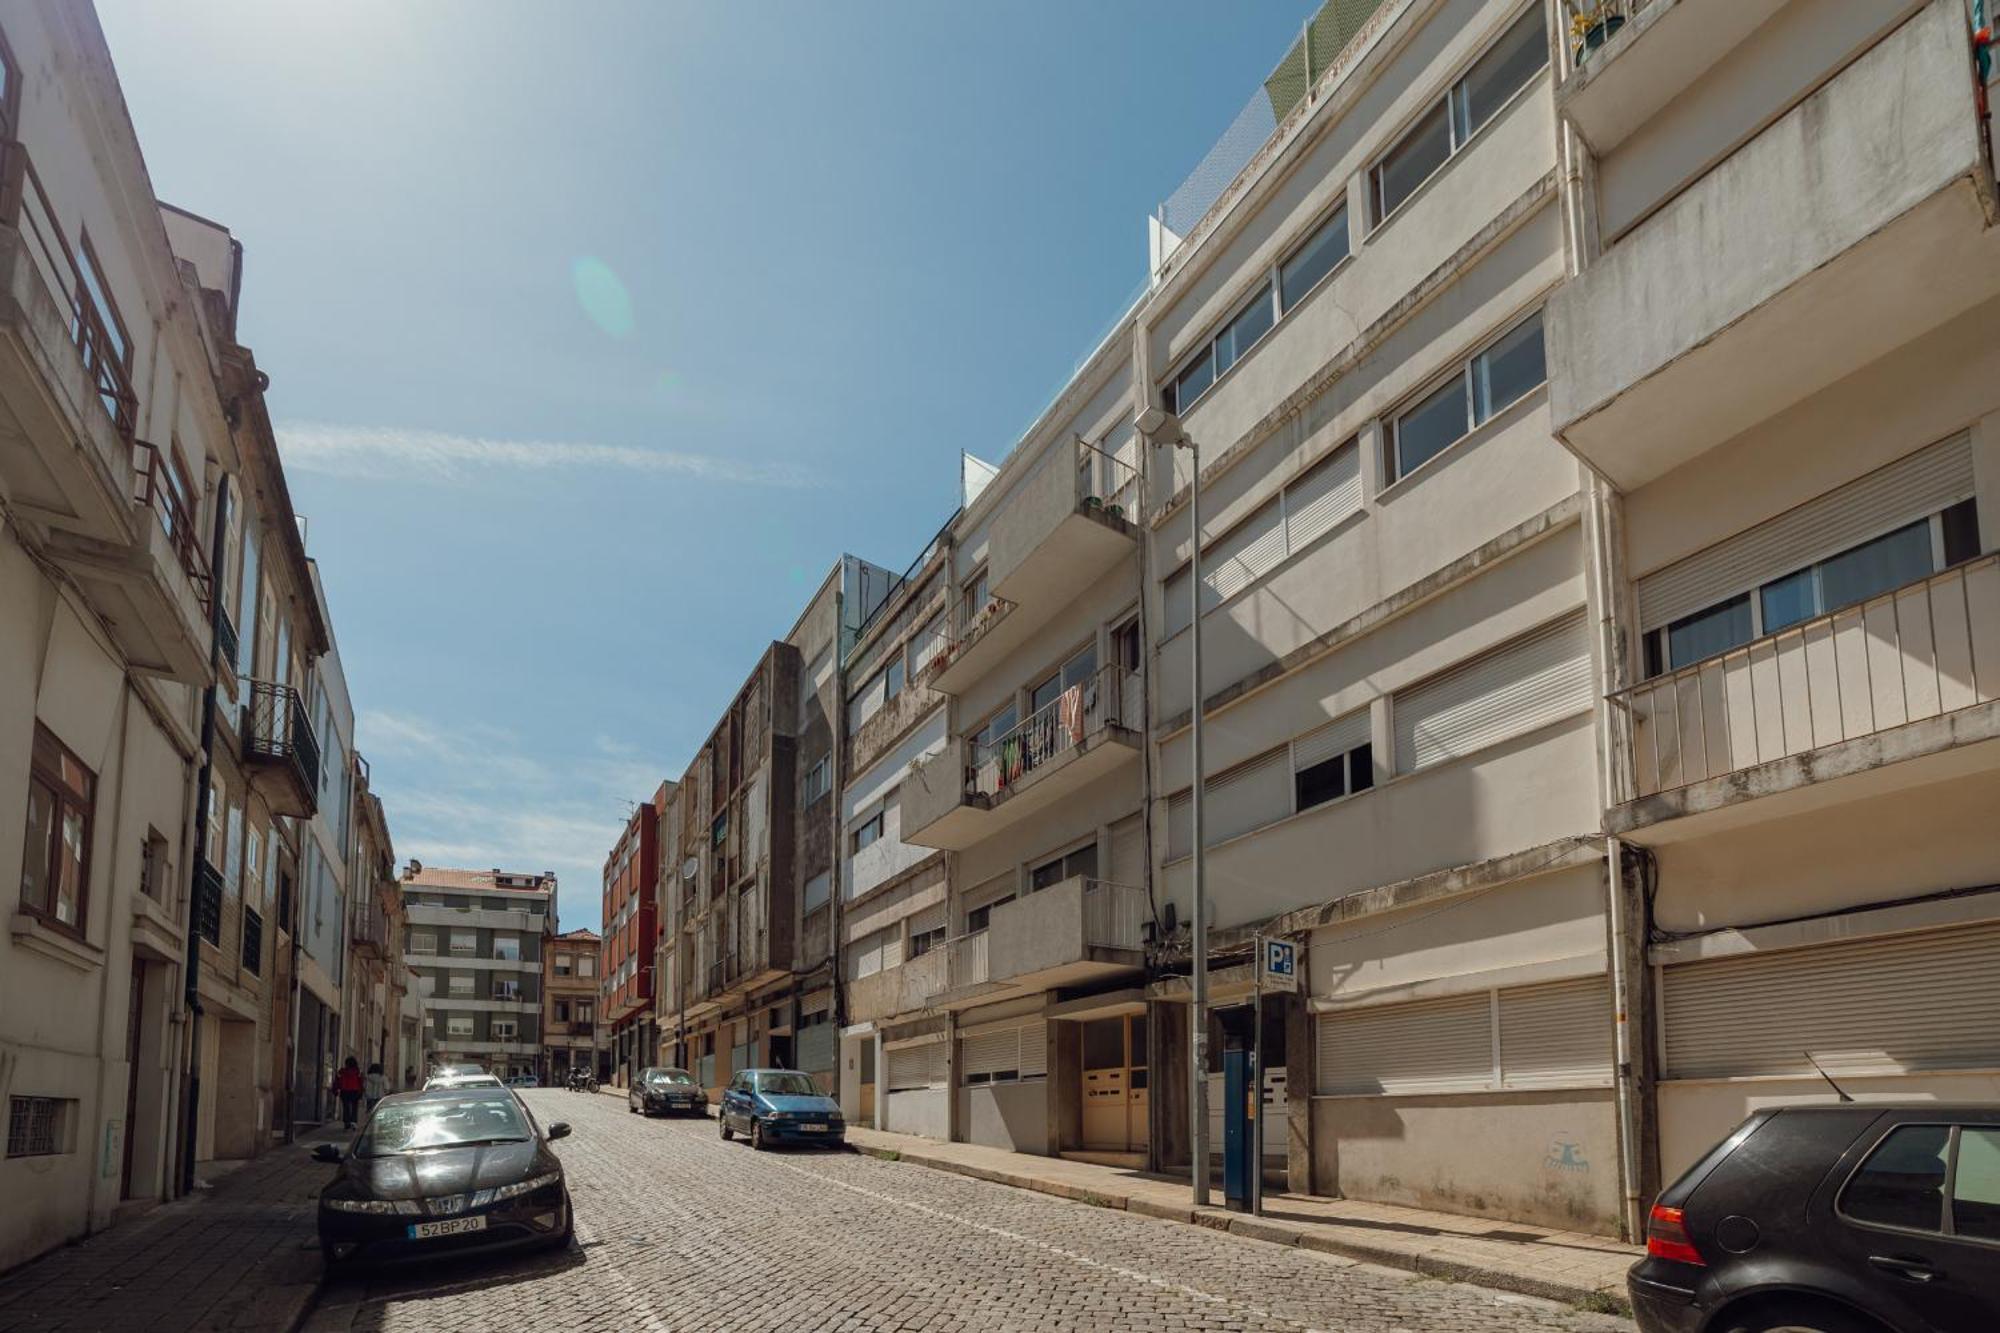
(1667, 1236)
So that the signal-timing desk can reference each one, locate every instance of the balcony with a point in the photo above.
(253, 942)
(905, 988)
(1633, 57)
(370, 933)
(208, 903)
(1862, 209)
(1074, 933)
(67, 408)
(1908, 678)
(1064, 527)
(966, 793)
(279, 749)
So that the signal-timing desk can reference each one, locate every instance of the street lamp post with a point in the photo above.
(1163, 427)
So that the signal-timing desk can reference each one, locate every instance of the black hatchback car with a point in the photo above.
(1832, 1219)
(661, 1090)
(441, 1172)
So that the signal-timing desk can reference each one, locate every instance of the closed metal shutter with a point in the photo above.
(1534, 680)
(1927, 1000)
(816, 1048)
(1556, 1035)
(1247, 797)
(1336, 737)
(927, 919)
(1128, 851)
(1249, 552)
(1903, 492)
(1005, 1051)
(1034, 1048)
(921, 1066)
(1328, 492)
(1427, 1046)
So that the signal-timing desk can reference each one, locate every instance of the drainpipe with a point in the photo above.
(191, 960)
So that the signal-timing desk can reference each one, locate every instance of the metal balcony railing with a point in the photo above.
(208, 903)
(970, 618)
(1051, 731)
(276, 730)
(1105, 482)
(154, 486)
(1592, 23)
(253, 942)
(1923, 650)
(965, 961)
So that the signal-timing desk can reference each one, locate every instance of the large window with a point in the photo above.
(507, 948)
(464, 941)
(1078, 864)
(1333, 761)
(818, 782)
(818, 889)
(460, 983)
(1319, 255)
(868, 832)
(1493, 379)
(55, 862)
(1464, 110)
(458, 1025)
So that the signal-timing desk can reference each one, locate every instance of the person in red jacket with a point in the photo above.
(349, 1084)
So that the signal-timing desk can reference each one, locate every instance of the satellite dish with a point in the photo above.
(690, 867)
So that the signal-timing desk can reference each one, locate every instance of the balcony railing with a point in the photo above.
(1924, 650)
(969, 621)
(208, 903)
(1115, 915)
(1051, 731)
(153, 486)
(371, 931)
(24, 205)
(276, 730)
(253, 942)
(965, 962)
(1592, 23)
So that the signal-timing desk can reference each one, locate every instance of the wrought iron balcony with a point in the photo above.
(280, 749)
(208, 903)
(253, 942)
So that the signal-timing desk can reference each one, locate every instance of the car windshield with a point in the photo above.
(442, 1122)
(784, 1083)
(679, 1076)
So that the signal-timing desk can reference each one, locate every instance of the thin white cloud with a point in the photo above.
(379, 453)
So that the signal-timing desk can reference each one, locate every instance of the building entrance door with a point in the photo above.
(867, 1096)
(1114, 1084)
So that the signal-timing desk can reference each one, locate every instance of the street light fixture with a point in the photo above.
(1163, 427)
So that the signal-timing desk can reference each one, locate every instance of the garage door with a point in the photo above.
(1927, 1000)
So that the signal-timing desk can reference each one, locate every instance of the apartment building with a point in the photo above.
(631, 939)
(1800, 454)
(377, 980)
(572, 1037)
(476, 939)
(752, 965)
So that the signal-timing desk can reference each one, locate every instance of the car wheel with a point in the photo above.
(722, 1123)
(1808, 1318)
(757, 1136)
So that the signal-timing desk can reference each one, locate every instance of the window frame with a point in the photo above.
(1944, 1230)
(451, 1026)
(1463, 370)
(874, 822)
(47, 757)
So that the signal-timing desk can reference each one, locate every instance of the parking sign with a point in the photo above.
(1279, 968)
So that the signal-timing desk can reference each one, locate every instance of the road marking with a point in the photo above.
(1059, 1251)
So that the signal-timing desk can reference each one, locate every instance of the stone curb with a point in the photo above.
(1612, 1301)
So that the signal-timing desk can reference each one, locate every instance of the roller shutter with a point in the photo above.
(1005, 1053)
(1328, 492)
(1556, 1035)
(1909, 489)
(1128, 851)
(816, 1047)
(1534, 680)
(1245, 555)
(1428, 1046)
(920, 1066)
(1927, 1000)
(1336, 737)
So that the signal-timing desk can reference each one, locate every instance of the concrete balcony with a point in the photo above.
(1899, 690)
(470, 918)
(902, 989)
(280, 752)
(964, 794)
(1075, 933)
(1652, 51)
(1854, 223)
(1066, 526)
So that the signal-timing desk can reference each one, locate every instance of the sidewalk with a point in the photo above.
(1558, 1265)
(243, 1254)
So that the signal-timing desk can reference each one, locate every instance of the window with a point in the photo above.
(996, 726)
(1902, 1182)
(586, 966)
(460, 983)
(562, 1011)
(101, 337)
(1448, 126)
(978, 917)
(892, 678)
(507, 948)
(506, 988)
(1126, 645)
(1312, 505)
(1318, 256)
(464, 941)
(585, 1012)
(154, 872)
(1247, 797)
(1869, 569)
(819, 779)
(563, 964)
(1493, 380)
(504, 1029)
(458, 1025)
(1079, 864)
(1333, 761)
(55, 862)
(38, 1126)
(923, 941)
(422, 941)
(818, 889)
(1975, 1187)
(1076, 671)
(868, 831)
(1242, 331)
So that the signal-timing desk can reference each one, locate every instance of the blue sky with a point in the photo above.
(596, 331)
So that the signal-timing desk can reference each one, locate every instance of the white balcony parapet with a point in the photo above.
(1922, 651)
(965, 961)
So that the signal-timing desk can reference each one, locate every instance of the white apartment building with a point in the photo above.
(1800, 442)
(475, 939)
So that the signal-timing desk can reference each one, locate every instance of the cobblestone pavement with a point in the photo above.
(677, 1230)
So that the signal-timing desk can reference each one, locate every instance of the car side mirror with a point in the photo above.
(327, 1152)
(559, 1130)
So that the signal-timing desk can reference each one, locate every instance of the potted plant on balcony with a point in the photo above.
(1593, 25)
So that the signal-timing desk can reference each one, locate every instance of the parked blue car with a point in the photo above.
(770, 1106)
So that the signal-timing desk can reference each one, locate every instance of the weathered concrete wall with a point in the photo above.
(921, 1111)
(1014, 1116)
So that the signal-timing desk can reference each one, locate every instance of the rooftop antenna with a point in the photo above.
(1828, 1077)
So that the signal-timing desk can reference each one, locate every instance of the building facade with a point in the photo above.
(377, 977)
(476, 940)
(631, 940)
(572, 1036)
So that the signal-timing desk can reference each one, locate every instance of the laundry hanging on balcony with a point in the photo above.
(1070, 709)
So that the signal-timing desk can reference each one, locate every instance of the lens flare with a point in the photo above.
(602, 296)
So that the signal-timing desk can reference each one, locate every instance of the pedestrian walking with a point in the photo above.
(374, 1085)
(349, 1084)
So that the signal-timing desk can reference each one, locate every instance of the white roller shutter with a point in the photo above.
(1533, 680)
(1247, 797)
(927, 643)
(1180, 826)
(1927, 1000)
(1128, 851)
(1428, 1046)
(1909, 489)
(1336, 737)
(920, 1066)
(989, 1053)
(1329, 491)
(1034, 1048)
(1250, 550)
(816, 1048)
(1557, 1035)
(927, 919)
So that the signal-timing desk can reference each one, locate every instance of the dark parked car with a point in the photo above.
(770, 1106)
(1832, 1219)
(440, 1172)
(664, 1091)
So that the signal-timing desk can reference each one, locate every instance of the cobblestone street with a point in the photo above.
(678, 1230)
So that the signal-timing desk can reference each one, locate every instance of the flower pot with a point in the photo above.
(1598, 33)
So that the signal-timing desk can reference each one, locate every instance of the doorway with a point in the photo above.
(867, 1095)
(1115, 1094)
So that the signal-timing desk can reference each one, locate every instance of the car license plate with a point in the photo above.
(814, 1128)
(449, 1227)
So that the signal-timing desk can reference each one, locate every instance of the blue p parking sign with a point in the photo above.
(1281, 964)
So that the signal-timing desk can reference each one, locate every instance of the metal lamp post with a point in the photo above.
(1163, 427)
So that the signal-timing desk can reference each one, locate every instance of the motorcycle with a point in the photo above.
(581, 1080)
